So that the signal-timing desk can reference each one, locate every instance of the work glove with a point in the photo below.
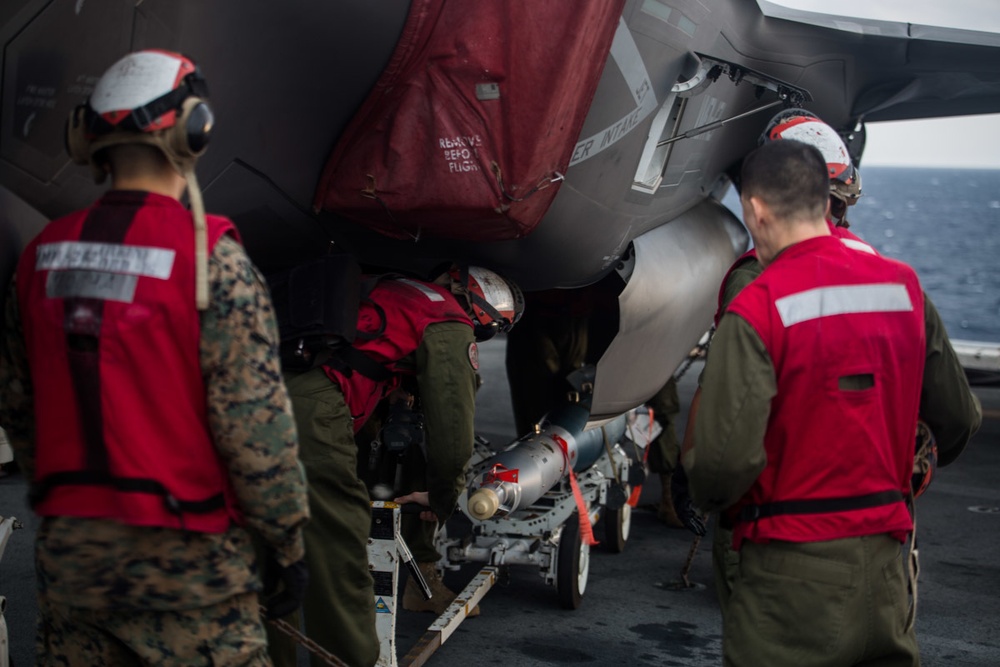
(295, 579)
(683, 506)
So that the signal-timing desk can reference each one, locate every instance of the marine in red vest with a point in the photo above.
(140, 387)
(108, 298)
(391, 325)
(805, 433)
(845, 191)
(416, 347)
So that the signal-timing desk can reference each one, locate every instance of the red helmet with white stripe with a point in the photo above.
(152, 97)
(155, 98)
(805, 126)
(494, 303)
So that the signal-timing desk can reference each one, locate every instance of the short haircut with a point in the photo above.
(790, 177)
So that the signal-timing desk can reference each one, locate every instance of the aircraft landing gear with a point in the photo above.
(573, 565)
(617, 526)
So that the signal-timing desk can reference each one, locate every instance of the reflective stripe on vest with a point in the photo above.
(842, 300)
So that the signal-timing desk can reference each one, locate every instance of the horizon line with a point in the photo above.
(872, 165)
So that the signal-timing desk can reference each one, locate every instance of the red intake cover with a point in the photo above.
(466, 132)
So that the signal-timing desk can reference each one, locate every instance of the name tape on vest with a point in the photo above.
(91, 285)
(109, 257)
(843, 300)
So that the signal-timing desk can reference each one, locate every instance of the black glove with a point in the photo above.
(295, 578)
(681, 495)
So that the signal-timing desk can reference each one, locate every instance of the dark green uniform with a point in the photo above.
(780, 587)
(725, 561)
(666, 448)
(116, 594)
(340, 605)
(541, 351)
(446, 386)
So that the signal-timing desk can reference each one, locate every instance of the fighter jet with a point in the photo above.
(560, 143)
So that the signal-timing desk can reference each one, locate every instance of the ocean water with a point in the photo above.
(945, 223)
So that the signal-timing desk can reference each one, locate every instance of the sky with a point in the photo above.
(965, 141)
(981, 15)
(968, 141)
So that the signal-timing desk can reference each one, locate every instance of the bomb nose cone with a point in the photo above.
(483, 504)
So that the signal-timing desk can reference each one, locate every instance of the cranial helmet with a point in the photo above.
(805, 126)
(494, 303)
(148, 97)
(155, 98)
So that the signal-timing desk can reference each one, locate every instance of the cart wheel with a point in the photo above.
(573, 564)
(617, 525)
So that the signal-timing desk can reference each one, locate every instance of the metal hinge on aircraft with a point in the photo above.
(711, 70)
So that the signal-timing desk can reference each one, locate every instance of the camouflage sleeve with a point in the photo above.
(17, 405)
(249, 412)
(447, 385)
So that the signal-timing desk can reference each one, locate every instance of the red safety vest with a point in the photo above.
(407, 308)
(107, 302)
(839, 460)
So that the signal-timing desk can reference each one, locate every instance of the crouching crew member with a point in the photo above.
(406, 329)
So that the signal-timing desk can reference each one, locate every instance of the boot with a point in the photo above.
(441, 595)
(665, 510)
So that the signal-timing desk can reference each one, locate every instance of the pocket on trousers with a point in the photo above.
(894, 574)
(802, 600)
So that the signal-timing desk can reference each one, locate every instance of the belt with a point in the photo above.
(819, 505)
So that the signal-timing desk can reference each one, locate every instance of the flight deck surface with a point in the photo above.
(632, 611)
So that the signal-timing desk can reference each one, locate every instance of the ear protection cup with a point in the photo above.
(77, 144)
(188, 137)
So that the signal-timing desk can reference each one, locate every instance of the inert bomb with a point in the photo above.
(521, 474)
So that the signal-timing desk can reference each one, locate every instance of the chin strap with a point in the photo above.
(200, 240)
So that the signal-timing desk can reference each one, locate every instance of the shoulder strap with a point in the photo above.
(367, 286)
(347, 359)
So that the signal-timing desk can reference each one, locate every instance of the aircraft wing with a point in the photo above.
(902, 70)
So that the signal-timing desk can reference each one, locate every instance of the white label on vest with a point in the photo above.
(427, 291)
(843, 300)
(110, 257)
(91, 285)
